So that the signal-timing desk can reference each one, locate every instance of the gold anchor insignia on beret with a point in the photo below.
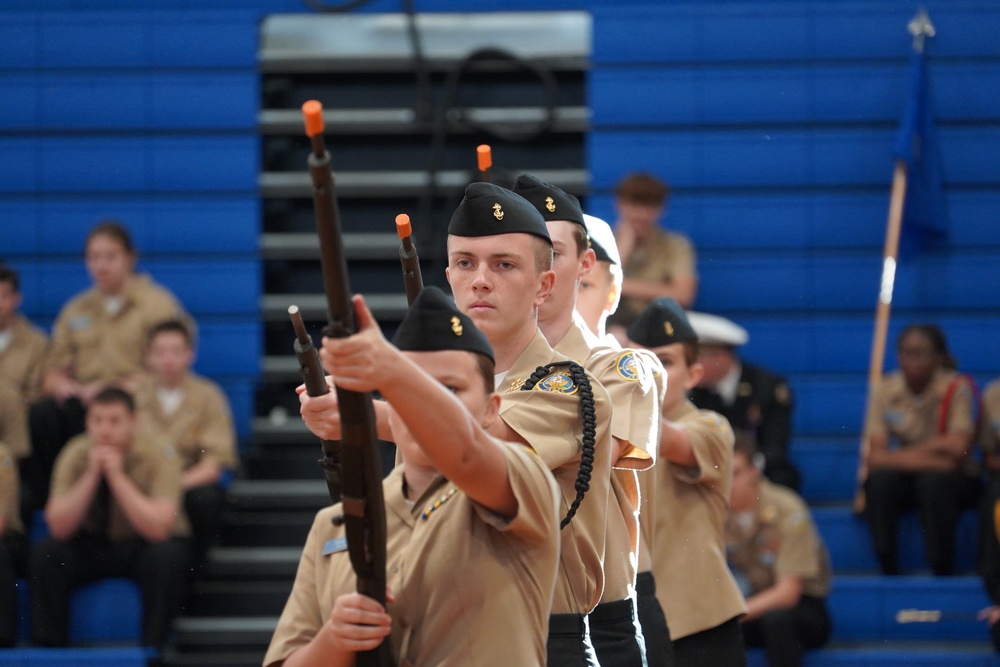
(668, 328)
(456, 325)
(497, 212)
(550, 204)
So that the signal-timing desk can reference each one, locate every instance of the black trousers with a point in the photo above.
(13, 547)
(939, 497)
(721, 646)
(51, 424)
(57, 567)
(569, 644)
(616, 635)
(785, 634)
(659, 650)
(204, 506)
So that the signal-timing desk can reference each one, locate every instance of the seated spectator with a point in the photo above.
(780, 561)
(12, 547)
(656, 262)
(98, 339)
(926, 410)
(22, 345)
(194, 415)
(751, 397)
(693, 479)
(114, 511)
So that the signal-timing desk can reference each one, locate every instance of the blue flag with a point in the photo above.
(925, 211)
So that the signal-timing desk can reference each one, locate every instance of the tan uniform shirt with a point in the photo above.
(989, 436)
(151, 465)
(659, 259)
(775, 541)
(635, 421)
(22, 362)
(10, 508)
(200, 428)
(693, 582)
(647, 478)
(13, 422)
(471, 588)
(95, 346)
(910, 418)
(549, 421)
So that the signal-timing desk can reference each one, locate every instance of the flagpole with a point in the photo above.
(921, 28)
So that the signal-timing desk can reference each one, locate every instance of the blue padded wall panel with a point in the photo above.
(93, 101)
(108, 610)
(228, 348)
(19, 110)
(82, 164)
(781, 157)
(18, 229)
(182, 100)
(828, 405)
(219, 224)
(19, 40)
(65, 223)
(211, 287)
(205, 39)
(19, 166)
(240, 392)
(204, 164)
(97, 40)
(730, 284)
(793, 93)
(829, 469)
(721, 32)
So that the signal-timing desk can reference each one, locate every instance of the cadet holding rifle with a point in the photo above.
(472, 521)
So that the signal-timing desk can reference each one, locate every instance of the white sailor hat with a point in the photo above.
(715, 330)
(602, 239)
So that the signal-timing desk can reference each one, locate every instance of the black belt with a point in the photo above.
(609, 612)
(567, 624)
(645, 584)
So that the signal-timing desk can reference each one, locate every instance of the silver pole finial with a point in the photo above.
(920, 27)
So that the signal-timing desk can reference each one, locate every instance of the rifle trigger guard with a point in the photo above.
(354, 506)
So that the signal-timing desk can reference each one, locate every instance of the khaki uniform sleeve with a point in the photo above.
(218, 439)
(69, 465)
(989, 437)
(797, 555)
(960, 410)
(712, 442)
(302, 619)
(13, 423)
(537, 518)
(9, 491)
(549, 422)
(684, 256)
(60, 356)
(167, 481)
(635, 414)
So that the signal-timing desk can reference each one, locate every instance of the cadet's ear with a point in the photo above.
(492, 410)
(546, 281)
(696, 372)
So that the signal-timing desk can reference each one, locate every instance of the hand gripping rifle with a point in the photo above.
(412, 280)
(359, 464)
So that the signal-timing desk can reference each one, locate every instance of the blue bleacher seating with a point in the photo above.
(77, 657)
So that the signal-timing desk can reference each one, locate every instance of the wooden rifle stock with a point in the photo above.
(413, 282)
(360, 463)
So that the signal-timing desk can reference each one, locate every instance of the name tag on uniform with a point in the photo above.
(334, 545)
(79, 323)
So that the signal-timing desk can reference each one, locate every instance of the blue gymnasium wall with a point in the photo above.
(148, 117)
(773, 120)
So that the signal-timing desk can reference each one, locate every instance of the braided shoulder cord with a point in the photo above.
(589, 417)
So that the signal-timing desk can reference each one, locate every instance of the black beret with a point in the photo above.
(662, 323)
(551, 202)
(488, 210)
(434, 323)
